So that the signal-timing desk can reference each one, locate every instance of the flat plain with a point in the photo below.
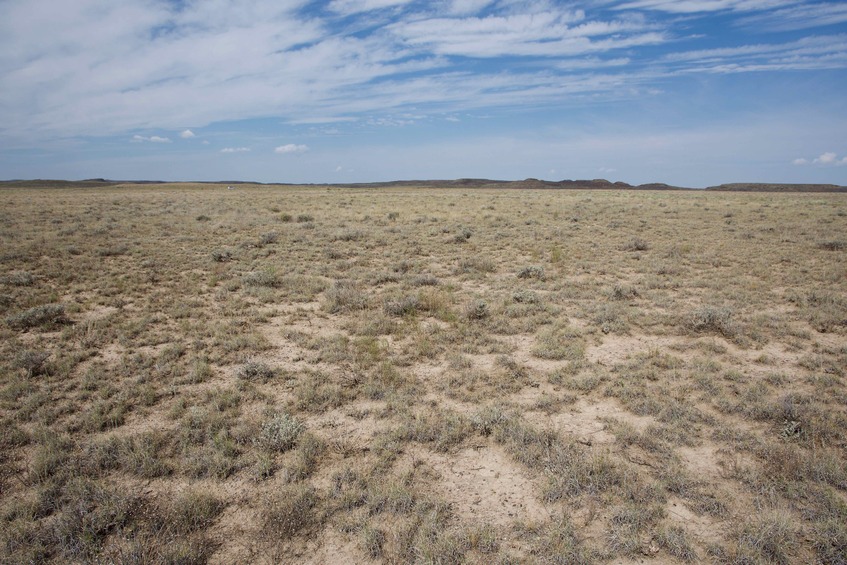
(193, 374)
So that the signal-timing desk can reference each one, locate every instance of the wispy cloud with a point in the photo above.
(467, 7)
(826, 159)
(151, 139)
(697, 6)
(291, 148)
(348, 7)
(816, 52)
(551, 33)
(321, 120)
(802, 16)
(235, 150)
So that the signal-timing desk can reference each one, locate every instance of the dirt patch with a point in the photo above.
(332, 546)
(615, 350)
(355, 432)
(485, 486)
(704, 461)
(583, 426)
(96, 313)
(703, 528)
(235, 532)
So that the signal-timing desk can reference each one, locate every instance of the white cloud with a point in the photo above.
(695, 6)
(291, 148)
(827, 158)
(815, 52)
(591, 63)
(467, 7)
(799, 17)
(235, 149)
(555, 32)
(347, 7)
(151, 139)
(321, 120)
(86, 68)
(187, 134)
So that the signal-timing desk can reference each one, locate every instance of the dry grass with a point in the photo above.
(286, 374)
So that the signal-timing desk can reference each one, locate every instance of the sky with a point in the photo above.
(688, 92)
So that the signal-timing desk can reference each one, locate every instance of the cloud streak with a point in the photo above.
(801, 16)
(291, 148)
(151, 139)
(817, 52)
(704, 6)
(544, 34)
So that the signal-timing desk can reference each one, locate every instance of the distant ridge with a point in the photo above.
(530, 184)
(769, 187)
(465, 183)
(87, 183)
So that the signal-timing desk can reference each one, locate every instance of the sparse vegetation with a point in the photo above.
(596, 376)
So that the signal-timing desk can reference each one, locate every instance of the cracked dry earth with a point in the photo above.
(323, 375)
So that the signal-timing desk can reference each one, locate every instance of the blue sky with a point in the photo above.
(688, 92)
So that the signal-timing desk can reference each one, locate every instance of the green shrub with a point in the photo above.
(31, 361)
(280, 432)
(256, 371)
(402, 306)
(476, 310)
(268, 238)
(531, 272)
(344, 296)
(49, 315)
(636, 244)
(711, 318)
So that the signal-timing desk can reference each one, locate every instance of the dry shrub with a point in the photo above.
(289, 511)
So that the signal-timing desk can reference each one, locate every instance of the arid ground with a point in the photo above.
(192, 374)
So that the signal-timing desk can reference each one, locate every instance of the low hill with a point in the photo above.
(53, 183)
(771, 187)
(526, 184)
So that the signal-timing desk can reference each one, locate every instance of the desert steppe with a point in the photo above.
(266, 374)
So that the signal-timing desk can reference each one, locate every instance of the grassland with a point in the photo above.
(192, 374)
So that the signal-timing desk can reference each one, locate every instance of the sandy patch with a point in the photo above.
(702, 528)
(704, 461)
(331, 547)
(484, 486)
(615, 350)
